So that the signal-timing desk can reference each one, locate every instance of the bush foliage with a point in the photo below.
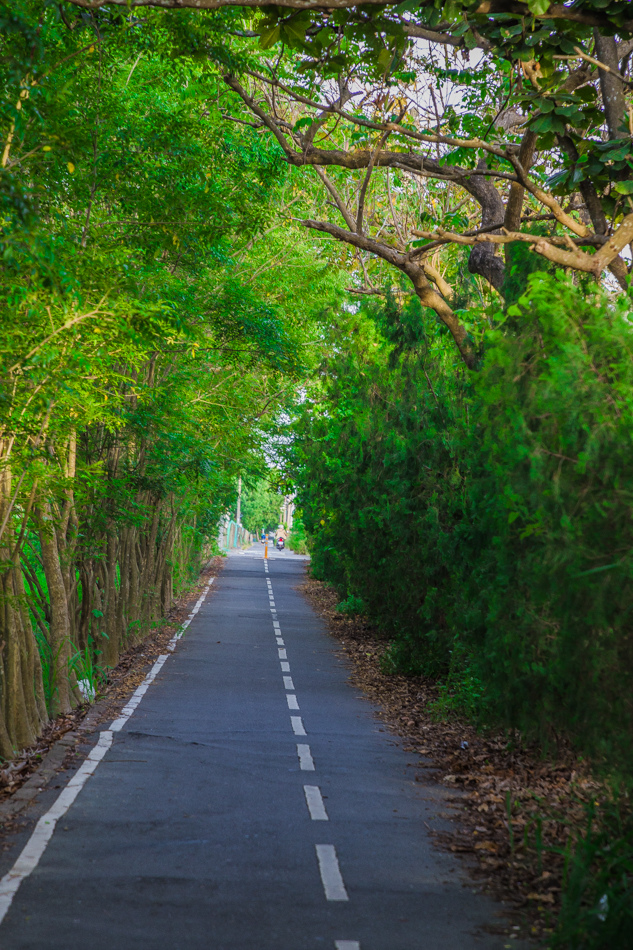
(485, 519)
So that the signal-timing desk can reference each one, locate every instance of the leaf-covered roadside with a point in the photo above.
(540, 831)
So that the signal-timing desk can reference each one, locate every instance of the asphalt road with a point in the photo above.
(252, 801)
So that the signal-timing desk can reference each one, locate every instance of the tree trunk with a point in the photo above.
(59, 634)
(611, 87)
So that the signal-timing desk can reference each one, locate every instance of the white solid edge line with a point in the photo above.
(43, 831)
(314, 801)
(176, 637)
(330, 873)
(306, 762)
(140, 691)
(346, 945)
(288, 684)
(293, 702)
(297, 726)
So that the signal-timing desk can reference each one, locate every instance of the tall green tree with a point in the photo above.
(148, 341)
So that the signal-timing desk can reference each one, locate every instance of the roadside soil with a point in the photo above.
(511, 806)
(110, 699)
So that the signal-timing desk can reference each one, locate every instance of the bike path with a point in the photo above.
(251, 802)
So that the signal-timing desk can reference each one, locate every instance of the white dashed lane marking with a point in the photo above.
(347, 945)
(314, 801)
(306, 762)
(329, 869)
(330, 873)
(297, 726)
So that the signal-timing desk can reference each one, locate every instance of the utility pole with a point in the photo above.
(239, 500)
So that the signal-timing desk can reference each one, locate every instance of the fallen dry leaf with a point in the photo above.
(486, 846)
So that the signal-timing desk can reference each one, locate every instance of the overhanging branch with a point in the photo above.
(555, 11)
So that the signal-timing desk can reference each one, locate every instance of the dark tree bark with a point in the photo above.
(611, 86)
(483, 259)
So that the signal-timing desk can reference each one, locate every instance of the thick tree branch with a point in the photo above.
(549, 247)
(429, 297)
(360, 159)
(514, 205)
(483, 260)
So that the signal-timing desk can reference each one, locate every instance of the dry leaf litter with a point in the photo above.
(512, 806)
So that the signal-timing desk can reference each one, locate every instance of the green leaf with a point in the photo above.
(545, 105)
(296, 30)
(538, 7)
(557, 179)
(427, 219)
(624, 188)
(542, 123)
(384, 59)
(269, 37)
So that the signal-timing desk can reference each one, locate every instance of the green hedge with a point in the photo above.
(485, 519)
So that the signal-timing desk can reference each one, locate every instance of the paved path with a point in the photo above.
(250, 802)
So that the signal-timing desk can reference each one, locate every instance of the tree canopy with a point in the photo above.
(150, 337)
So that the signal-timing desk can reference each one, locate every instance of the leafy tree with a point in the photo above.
(534, 125)
(260, 507)
(148, 341)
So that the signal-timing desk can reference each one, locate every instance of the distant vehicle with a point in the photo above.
(280, 544)
(263, 537)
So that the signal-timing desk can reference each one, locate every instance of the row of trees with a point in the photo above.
(148, 340)
(261, 507)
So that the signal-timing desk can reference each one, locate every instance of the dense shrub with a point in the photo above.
(485, 520)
